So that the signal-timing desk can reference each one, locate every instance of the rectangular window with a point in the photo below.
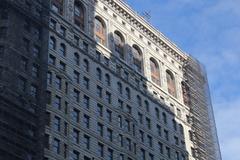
(109, 134)
(86, 103)
(120, 104)
(76, 95)
(140, 118)
(168, 152)
(66, 108)
(159, 130)
(127, 122)
(57, 102)
(66, 87)
(62, 31)
(148, 122)
(129, 109)
(52, 24)
(121, 157)
(109, 116)
(33, 91)
(176, 140)
(160, 146)
(151, 157)
(108, 97)
(110, 154)
(177, 157)
(65, 150)
(57, 123)
(75, 155)
(99, 91)
(86, 141)
(75, 115)
(49, 78)
(36, 52)
(100, 150)
(99, 110)
(166, 135)
(76, 77)
(100, 129)
(128, 144)
(86, 121)
(35, 70)
(142, 154)
(86, 82)
(52, 60)
(56, 146)
(120, 139)
(75, 136)
(119, 121)
(141, 136)
(149, 141)
(58, 83)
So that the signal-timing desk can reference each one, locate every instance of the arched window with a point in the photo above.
(186, 94)
(119, 85)
(164, 117)
(99, 74)
(79, 14)
(157, 113)
(181, 129)
(128, 94)
(52, 43)
(62, 49)
(119, 44)
(171, 83)
(139, 101)
(174, 124)
(86, 65)
(137, 58)
(146, 105)
(155, 73)
(57, 6)
(107, 79)
(100, 31)
(76, 59)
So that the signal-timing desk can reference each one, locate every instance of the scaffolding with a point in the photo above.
(205, 139)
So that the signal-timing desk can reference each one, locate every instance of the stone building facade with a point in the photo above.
(92, 80)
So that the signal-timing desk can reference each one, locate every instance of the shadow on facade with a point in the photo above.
(26, 132)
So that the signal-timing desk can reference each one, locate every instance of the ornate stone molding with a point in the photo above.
(147, 29)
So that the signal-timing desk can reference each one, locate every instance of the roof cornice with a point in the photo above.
(146, 28)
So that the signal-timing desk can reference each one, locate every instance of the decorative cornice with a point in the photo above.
(147, 29)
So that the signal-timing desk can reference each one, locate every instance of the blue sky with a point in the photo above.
(210, 31)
